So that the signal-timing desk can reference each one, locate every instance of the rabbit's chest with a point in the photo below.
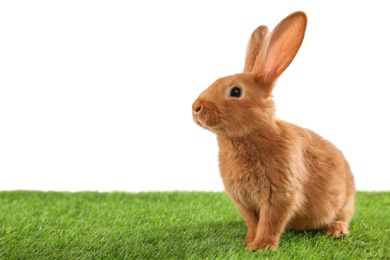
(252, 171)
(246, 182)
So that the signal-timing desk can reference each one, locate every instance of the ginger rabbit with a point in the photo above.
(280, 176)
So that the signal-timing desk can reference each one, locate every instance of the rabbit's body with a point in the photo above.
(290, 167)
(280, 176)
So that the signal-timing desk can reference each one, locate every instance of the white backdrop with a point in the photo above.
(96, 95)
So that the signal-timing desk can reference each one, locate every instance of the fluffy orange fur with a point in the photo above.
(280, 176)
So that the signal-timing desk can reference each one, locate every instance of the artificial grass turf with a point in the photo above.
(168, 225)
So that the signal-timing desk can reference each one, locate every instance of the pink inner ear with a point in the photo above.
(280, 54)
(270, 66)
(283, 45)
(277, 63)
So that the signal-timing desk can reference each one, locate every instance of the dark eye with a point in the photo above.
(235, 92)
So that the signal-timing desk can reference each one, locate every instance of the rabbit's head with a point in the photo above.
(240, 104)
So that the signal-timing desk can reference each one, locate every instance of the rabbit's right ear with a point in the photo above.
(254, 46)
(280, 48)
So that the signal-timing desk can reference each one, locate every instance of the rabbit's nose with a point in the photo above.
(197, 106)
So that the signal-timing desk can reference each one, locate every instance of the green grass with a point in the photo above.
(171, 225)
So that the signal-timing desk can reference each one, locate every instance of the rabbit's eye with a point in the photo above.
(235, 92)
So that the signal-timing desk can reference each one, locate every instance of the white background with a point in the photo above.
(96, 95)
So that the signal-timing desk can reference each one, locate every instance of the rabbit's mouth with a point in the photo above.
(204, 121)
(205, 114)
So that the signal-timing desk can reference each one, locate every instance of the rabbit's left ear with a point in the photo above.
(255, 44)
(281, 47)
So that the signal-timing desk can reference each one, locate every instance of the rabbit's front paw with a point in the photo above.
(263, 244)
(336, 229)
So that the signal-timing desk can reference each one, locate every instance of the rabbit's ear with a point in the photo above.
(281, 47)
(254, 46)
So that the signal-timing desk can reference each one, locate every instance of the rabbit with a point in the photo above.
(280, 176)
